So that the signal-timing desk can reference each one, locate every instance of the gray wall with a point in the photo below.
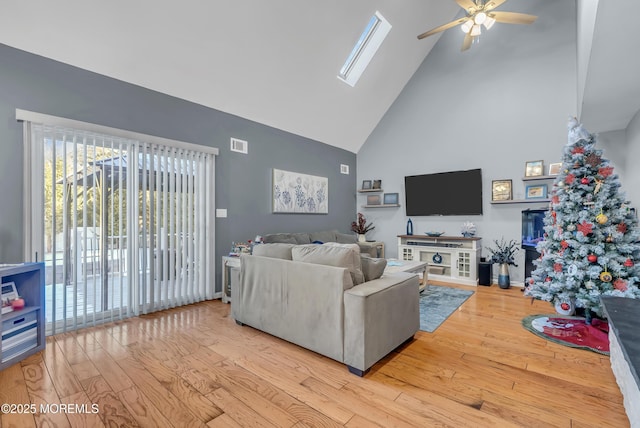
(496, 106)
(243, 182)
(632, 172)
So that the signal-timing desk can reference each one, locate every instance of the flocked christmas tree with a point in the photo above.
(591, 243)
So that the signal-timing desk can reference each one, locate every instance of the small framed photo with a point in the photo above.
(536, 191)
(374, 200)
(377, 184)
(501, 190)
(390, 199)
(554, 168)
(366, 184)
(534, 168)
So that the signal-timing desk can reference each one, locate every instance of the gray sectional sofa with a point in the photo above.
(327, 298)
(320, 237)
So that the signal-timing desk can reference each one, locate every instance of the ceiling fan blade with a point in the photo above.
(493, 4)
(466, 43)
(513, 17)
(468, 5)
(442, 28)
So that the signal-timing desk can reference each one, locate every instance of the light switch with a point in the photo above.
(221, 212)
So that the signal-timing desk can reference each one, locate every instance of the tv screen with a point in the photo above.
(444, 193)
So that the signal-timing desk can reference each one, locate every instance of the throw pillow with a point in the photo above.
(343, 238)
(372, 268)
(282, 238)
(331, 255)
(275, 250)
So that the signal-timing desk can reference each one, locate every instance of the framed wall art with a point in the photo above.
(294, 192)
(366, 184)
(374, 200)
(534, 168)
(554, 168)
(501, 190)
(536, 191)
(390, 199)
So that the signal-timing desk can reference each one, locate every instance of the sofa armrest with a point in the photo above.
(379, 316)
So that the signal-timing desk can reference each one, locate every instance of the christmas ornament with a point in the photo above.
(555, 199)
(557, 267)
(547, 279)
(601, 218)
(628, 263)
(620, 284)
(589, 284)
(560, 184)
(576, 165)
(584, 180)
(598, 186)
(572, 270)
(577, 150)
(585, 227)
(564, 244)
(622, 228)
(609, 238)
(571, 227)
(593, 160)
(606, 276)
(569, 178)
(592, 258)
(605, 171)
(565, 307)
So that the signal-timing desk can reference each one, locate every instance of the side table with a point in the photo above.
(228, 263)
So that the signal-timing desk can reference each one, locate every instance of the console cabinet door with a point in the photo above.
(464, 268)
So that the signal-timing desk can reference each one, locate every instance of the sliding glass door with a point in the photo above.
(124, 226)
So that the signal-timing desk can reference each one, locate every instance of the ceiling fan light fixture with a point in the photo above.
(476, 30)
(480, 18)
(466, 26)
(488, 23)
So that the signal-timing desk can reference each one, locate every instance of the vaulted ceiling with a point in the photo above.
(274, 62)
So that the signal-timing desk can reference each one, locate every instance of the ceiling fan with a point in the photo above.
(480, 12)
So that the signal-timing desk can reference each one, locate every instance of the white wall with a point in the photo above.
(632, 172)
(496, 106)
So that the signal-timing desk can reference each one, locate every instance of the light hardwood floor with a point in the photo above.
(193, 366)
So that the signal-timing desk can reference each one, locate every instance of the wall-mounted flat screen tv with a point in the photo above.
(444, 193)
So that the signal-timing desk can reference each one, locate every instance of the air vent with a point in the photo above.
(239, 146)
(344, 169)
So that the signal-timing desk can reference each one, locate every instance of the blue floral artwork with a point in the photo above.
(300, 193)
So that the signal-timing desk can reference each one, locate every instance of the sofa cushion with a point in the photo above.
(275, 250)
(323, 236)
(332, 254)
(343, 238)
(372, 267)
(283, 238)
(301, 238)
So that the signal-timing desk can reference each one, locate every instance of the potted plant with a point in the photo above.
(361, 227)
(503, 254)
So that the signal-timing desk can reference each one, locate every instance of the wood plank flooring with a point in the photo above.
(194, 367)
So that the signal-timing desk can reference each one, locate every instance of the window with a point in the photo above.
(364, 50)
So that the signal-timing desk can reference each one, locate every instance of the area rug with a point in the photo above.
(437, 303)
(570, 331)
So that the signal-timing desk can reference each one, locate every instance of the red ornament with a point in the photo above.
(557, 267)
(585, 227)
(577, 150)
(605, 171)
(628, 263)
(620, 284)
(622, 228)
(547, 279)
(569, 178)
(584, 180)
(565, 306)
(564, 244)
(555, 199)
(592, 258)
(531, 281)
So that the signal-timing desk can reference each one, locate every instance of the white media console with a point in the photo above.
(450, 258)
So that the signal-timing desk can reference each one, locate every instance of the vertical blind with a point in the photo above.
(124, 226)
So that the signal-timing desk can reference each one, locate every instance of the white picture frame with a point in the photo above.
(9, 293)
(298, 193)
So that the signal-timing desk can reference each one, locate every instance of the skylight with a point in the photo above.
(365, 48)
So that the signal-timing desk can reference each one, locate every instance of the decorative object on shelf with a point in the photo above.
(437, 258)
(9, 294)
(537, 191)
(503, 254)
(409, 227)
(17, 303)
(468, 229)
(434, 234)
(300, 193)
(361, 227)
(390, 199)
(366, 184)
(374, 200)
(533, 168)
(377, 184)
(501, 190)
(554, 168)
